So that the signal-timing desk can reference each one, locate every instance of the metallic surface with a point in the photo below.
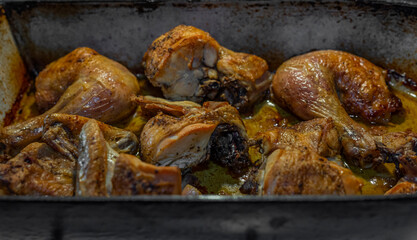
(385, 32)
(282, 217)
(276, 31)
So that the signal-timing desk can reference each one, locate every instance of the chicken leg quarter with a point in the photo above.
(88, 84)
(82, 83)
(335, 84)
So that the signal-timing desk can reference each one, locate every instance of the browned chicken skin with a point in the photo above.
(290, 171)
(213, 131)
(94, 162)
(15, 137)
(133, 177)
(400, 148)
(403, 187)
(88, 84)
(188, 64)
(60, 127)
(61, 132)
(102, 171)
(333, 84)
(296, 163)
(91, 150)
(318, 135)
(82, 83)
(38, 170)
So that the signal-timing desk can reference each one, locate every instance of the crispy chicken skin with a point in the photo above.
(334, 84)
(102, 171)
(15, 137)
(188, 64)
(82, 83)
(290, 171)
(38, 170)
(153, 105)
(94, 162)
(403, 187)
(188, 140)
(88, 84)
(399, 147)
(134, 177)
(318, 135)
(61, 132)
(296, 162)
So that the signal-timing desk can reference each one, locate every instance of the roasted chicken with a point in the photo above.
(102, 171)
(399, 148)
(403, 187)
(318, 135)
(188, 64)
(197, 132)
(134, 177)
(214, 131)
(93, 153)
(61, 132)
(82, 83)
(292, 171)
(38, 170)
(296, 162)
(335, 84)
(87, 84)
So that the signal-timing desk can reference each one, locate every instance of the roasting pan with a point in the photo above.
(385, 32)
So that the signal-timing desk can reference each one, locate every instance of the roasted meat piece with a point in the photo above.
(61, 132)
(190, 191)
(399, 148)
(133, 177)
(297, 165)
(318, 135)
(95, 163)
(38, 170)
(188, 64)
(290, 171)
(214, 131)
(15, 137)
(403, 187)
(82, 83)
(96, 158)
(88, 84)
(335, 84)
(102, 171)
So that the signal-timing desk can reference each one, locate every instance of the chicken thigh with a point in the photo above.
(214, 131)
(296, 162)
(38, 170)
(88, 84)
(82, 83)
(290, 171)
(318, 135)
(188, 64)
(335, 84)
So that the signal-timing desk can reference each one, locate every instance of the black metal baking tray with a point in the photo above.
(384, 32)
